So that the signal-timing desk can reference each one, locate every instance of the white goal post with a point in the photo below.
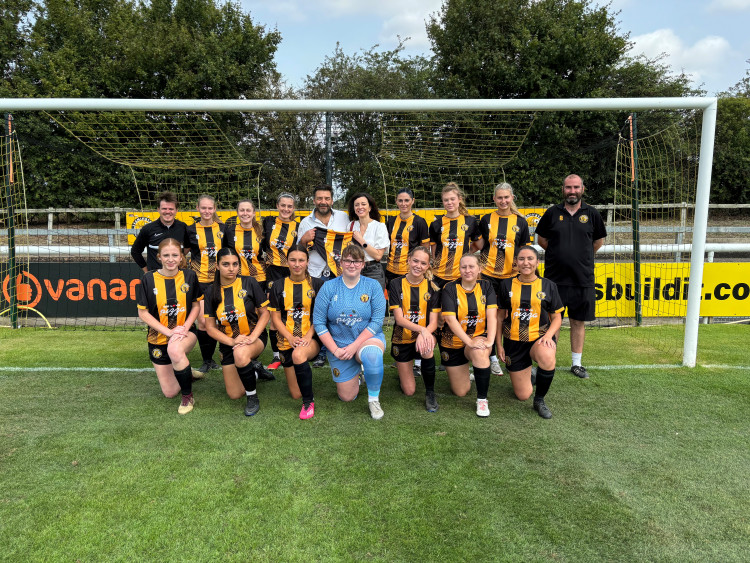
(707, 105)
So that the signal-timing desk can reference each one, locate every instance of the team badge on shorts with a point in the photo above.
(364, 298)
(584, 218)
(336, 372)
(241, 293)
(395, 351)
(156, 353)
(541, 295)
(464, 227)
(184, 288)
(311, 293)
(507, 360)
(515, 228)
(444, 356)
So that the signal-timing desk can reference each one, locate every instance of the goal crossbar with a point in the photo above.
(708, 105)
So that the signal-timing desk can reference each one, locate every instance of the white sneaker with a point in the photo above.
(376, 411)
(483, 408)
(495, 367)
(471, 374)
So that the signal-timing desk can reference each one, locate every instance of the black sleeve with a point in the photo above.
(600, 231)
(449, 299)
(435, 230)
(484, 227)
(544, 224)
(554, 303)
(434, 304)
(275, 301)
(503, 301)
(422, 229)
(474, 233)
(523, 237)
(227, 240)
(139, 245)
(394, 293)
(489, 293)
(253, 289)
(191, 278)
(144, 289)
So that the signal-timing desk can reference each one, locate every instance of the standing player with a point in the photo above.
(370, 234)
(151, 235)
(279, 235)
(204, 241)
(168, 303)
(292, 302)
(415, 302)
(348, 317)
(326, 229)
(451, 235)
(530, 310)
(503, 232)
(470, 324)
(571, 233)
(236, 317)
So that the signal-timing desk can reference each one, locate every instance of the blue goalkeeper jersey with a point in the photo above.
(346, 313)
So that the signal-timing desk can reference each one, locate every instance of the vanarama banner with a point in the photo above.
(99, 289)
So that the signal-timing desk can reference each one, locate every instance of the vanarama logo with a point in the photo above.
(31, 289)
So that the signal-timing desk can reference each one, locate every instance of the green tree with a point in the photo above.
(13, 36)
(356, 141)
(547, 49)
(730, 181)
(119, 48)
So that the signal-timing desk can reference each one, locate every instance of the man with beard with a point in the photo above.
(327, 229)
(570, 233)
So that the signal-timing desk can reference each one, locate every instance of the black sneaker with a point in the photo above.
(441, 367)
(320, 361)
(541, 408)
(253, 405)
(200, 373)
(579, 371)
(533, 375)
(262, 372)
(213, 365)
(418, 372)
(430, 402)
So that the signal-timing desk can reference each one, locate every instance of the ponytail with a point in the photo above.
(215, 294)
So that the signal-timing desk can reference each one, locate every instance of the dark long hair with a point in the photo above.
(216, 285)
(303, 249)
(374, 213)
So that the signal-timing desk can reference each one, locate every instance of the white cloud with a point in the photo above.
(383, 8)
(730, 5)
(409, 24)
(703, 60)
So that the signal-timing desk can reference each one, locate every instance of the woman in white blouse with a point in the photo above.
(370, 234)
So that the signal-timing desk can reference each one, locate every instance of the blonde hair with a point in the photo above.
(453, 187)
(475, 257)
(428, 274)
(513, 208)
(213, 200)
(254, 225)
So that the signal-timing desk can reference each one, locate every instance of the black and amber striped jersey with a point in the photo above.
(248, 246)
(416, 302)
(469, 307)
(295, 302)
(503, 235)
(204, 243)
(329, 245)
(404, 236)
(237, 313)
(529, 306)
(168, 299)
(452, 239)
(278, 237)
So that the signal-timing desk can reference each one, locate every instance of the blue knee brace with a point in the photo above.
(372, 364)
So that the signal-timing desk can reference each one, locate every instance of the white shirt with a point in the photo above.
(376, 236)
(338, 222)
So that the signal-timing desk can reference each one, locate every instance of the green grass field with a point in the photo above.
(636, 464)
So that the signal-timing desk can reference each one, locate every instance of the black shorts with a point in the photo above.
(226, 352)
(405, 353)
(157, 353)
(580, 302)
(275, 273)
(286, 355)
(518, 354)
(452, 357)
(206, 289)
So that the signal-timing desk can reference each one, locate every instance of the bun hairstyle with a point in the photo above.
(513, 208)
(453, 187)
(176, 243)
(216, 284)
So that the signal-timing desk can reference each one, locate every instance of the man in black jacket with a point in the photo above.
(166, 226)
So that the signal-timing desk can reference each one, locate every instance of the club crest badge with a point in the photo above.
(156, 353)
(184, 288)
(464, 227)
(483, 300)
(584, 218)
(270, 284)
(336, 372)
(242, 293)
(311, 293)
(364, 298)
(515, 229)
(395, 351)
(444, 356)
(293, 234)
(541, 295)
(427, 296)
(410, 228)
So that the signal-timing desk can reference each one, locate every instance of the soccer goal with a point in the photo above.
(255, 149)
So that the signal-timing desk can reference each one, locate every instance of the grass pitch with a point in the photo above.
(646, 464)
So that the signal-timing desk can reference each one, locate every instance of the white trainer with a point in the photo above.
(376, 410)
(496, 368)
(483, 408)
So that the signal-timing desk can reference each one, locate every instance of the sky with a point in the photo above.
(708, 40)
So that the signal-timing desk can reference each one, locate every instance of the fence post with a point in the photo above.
(50, 219)
(10, 209)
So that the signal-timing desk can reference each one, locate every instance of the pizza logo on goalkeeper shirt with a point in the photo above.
(584, 218)
(364, 298)
(242, 293)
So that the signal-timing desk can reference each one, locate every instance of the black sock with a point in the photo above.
(304, 380)
(247, 376)
(482, 380)
(428, 373)
(185, 379)
(493, 352)
(543, 381)
(273, 336)
(207, 346)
